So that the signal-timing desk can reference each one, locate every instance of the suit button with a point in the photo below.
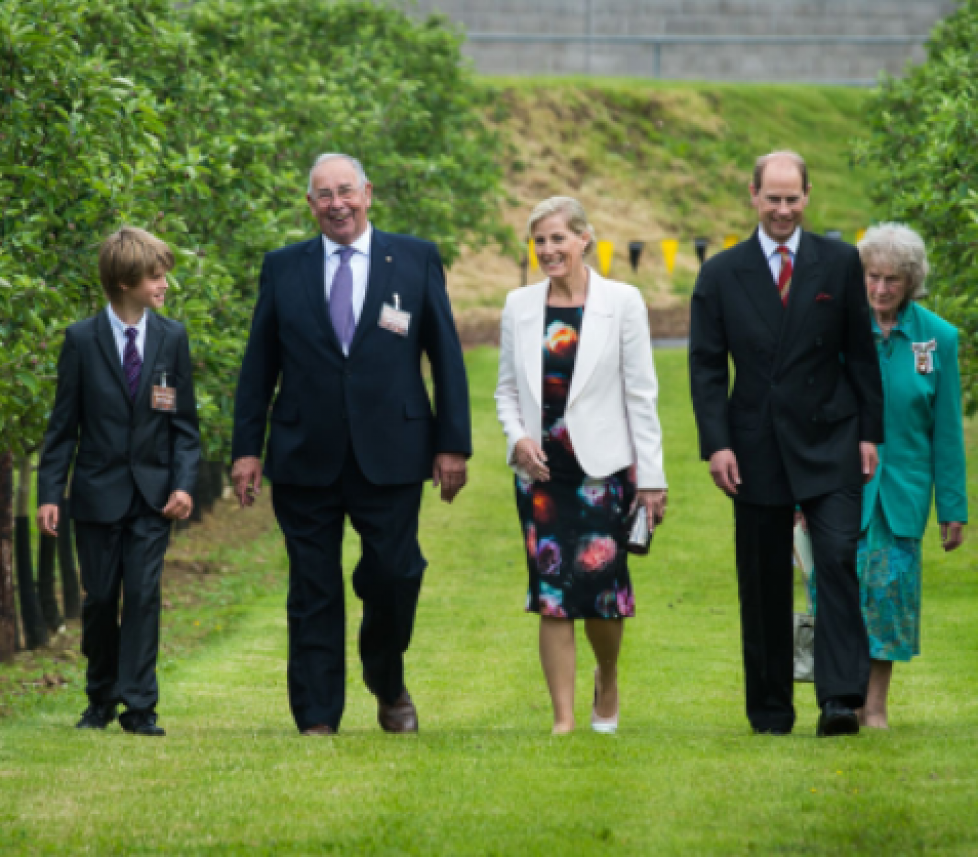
(818, 340)
(811, 382)
(814, 418)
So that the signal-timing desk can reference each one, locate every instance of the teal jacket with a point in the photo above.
(924, 449)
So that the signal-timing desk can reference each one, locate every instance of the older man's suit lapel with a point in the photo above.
(754, 275)
(106, 341)
(595, 328)
(312, 273)
(382, 263)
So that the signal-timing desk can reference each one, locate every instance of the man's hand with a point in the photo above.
(869, 458)
(724, 470)
(449, 472)
(179, 506)
(47, 519)
(952, 535)
(246, 478)
(531, 459)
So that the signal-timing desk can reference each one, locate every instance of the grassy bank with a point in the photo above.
(654, 160)
(683, 776)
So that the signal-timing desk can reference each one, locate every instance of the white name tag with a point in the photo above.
(395, 319)
(923, 353)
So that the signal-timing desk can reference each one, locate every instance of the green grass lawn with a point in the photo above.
(683, 776)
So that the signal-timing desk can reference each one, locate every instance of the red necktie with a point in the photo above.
(784, 278)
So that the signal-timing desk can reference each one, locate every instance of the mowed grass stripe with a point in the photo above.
(485, 777)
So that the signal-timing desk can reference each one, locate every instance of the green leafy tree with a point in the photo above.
(200, 122)
(923, 143)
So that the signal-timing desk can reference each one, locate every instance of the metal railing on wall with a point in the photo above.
(658, 42)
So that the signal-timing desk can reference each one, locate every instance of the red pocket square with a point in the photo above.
(822, 296)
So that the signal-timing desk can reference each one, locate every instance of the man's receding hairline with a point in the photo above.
(784, 156)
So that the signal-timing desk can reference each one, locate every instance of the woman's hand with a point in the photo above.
(655, 505)
(531, 459)
(952, 535)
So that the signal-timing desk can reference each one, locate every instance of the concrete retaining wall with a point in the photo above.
(825, 62)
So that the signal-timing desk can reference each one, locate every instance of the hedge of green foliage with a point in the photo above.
(924, 139)
(199, 122)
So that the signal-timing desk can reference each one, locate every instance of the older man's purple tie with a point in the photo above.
(132, 363)
(341, 299)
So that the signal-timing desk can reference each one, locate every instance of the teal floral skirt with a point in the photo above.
(889, 569)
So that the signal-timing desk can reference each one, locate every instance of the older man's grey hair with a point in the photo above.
(332, 156)
(896, 246)
(572, 212)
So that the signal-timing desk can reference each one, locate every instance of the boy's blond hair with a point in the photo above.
(127, 256)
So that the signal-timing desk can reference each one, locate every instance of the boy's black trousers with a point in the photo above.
(122, 558)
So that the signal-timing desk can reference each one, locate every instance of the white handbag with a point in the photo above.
(804, 622)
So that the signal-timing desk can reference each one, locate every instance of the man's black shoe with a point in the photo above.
(837, 719)
(141, 723)
(96, 716)
(771, 731)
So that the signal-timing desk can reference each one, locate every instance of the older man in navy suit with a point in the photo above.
(339, 328)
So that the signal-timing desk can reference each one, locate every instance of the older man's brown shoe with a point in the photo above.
(319, 729)
(399, 718)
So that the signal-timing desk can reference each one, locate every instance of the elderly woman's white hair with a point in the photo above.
(900, 248)
(571, 210)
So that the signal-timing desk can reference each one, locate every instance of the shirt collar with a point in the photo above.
(770, 246)
(902, 324)
(119, 326)
(361, 245)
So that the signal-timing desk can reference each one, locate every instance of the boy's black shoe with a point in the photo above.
(141, 723)
(96, 716)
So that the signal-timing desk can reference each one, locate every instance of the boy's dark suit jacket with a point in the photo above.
(807, 383)
(375, 399)
(122, 444)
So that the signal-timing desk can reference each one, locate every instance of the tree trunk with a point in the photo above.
(46, 584)
(35, 631)
(8, 612)
(70, 591)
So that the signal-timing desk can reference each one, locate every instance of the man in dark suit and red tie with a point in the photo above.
(339, 330)
(798, 430)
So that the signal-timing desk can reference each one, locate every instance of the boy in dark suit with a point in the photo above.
(125, 402)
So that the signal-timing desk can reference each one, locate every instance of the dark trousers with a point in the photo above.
(766, 583)
(122, 557)
(387, 579)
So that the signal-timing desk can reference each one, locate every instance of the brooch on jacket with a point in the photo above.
(923, 353)
(822, 296)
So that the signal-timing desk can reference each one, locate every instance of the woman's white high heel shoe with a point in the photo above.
(604, 725)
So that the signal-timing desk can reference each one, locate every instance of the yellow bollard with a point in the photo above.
(670, 247)
(606, 252)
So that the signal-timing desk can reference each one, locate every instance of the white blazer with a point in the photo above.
(611, 405)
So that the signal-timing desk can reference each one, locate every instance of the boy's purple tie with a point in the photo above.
(341, 299)
(132, 363)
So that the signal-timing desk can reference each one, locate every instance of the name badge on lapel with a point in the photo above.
(395, 319)
(923, 353)
(164, 398)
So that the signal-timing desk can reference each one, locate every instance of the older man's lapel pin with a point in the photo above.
(393, 318)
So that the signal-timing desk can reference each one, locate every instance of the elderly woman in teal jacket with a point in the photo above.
(923, 454)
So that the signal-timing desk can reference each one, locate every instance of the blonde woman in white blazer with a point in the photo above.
(577, 401)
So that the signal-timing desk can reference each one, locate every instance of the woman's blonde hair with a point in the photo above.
(899, 247)
(571, 210)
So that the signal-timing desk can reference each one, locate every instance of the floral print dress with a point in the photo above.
(573, 526)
